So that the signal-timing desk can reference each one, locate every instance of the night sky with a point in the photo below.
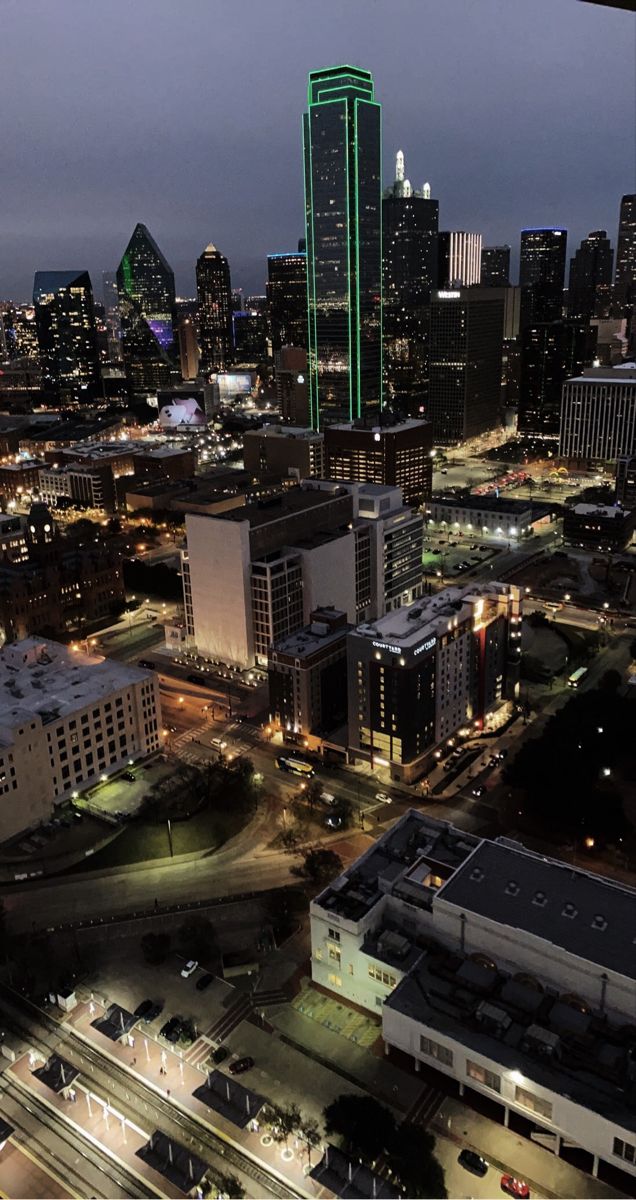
(186, 115)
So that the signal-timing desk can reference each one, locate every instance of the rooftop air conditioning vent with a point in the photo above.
(512, 888)
(477, 875)
(540, 899)
(599, 922)
(569, 910)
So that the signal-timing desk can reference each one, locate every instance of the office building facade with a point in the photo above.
(287, 299)
(145, 283)
(397, 455)
(495, 266)
(292, 388)
(343, 192)
(626, 481)
(490, 963)
(542, 274)
(283, 451)
(307, 674)
(459, 259)
(66, 334)
(590, 283)
(214, 314)
(598, 415)
(67, 719)
(465, 363)
(410, 221)
(625, 273)
(605, 527)
(423, 672)
(550, 354)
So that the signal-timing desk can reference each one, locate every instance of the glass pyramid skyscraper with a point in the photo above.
(145, 283)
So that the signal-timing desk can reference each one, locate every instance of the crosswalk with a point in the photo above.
(239, 1010)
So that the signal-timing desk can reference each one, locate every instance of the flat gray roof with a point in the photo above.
(587, 915)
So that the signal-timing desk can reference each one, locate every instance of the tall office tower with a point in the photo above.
(551, 352)
(625, 274)
(409, 273)
(67, 338)
(287, 299)
(292, 393)
(214, 292)
(598, 419)
(343, 191)
(250, 337)
(145, 283)
(590, 285)
(465, 363)
(542, 274)
(495, 266)
(112, 315)
(189, 353)
(20, 330)
(396, 455)
(458, 259)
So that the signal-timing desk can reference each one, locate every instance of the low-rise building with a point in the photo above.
(474, 515)
(85, 485)
(66, 719)
(420, 674)
(599, 526)
(19, 479)
(276, 451)
(511, 973)
(308, 678)
(626, 481)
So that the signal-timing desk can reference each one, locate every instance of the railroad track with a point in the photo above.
(132, 1185)
(204, 1141)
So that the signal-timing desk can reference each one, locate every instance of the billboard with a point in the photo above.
(182, 411)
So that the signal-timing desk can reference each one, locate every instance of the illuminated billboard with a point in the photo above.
(182, 410)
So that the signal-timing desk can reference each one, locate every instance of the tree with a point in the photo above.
(610, 681)
(309, 1133)
(313, 791)
(410, 1156)
(320, 865)
(365, 1126)
(155, 947)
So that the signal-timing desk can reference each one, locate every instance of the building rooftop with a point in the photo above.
(398, 427)
(621, 373)
(555, 1040)
(584, 914)
(45, 680)
(275, 508)
(291, 432)
(606, 511)
(484, 503)
(406, 626)
(315, 636)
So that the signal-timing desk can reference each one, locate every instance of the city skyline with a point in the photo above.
(239, 146)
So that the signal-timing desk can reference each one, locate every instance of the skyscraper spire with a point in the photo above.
(399, 167)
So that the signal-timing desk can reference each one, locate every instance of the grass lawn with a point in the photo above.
(141, 840)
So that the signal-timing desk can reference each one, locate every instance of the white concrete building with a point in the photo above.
(512, 973)
(502, 517)
(598, 414)
(66, 719)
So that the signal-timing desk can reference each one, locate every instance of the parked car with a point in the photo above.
(240, 1065)
(479, 790)
(515, 1187)
(189, 968)
(204, 982)
(171, 1029)
(383, 797)
(129, 776)
(153, 1012)
(327, 798)
(333, 821)
(473, 1162)
(501, 754)
(220, 1054)
(143, 1009)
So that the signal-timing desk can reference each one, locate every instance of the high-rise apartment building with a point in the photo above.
(465, 363)
(292, 389)
(66, 332)
(425, 671)
(598, 415)
(590, 284)
(542, 274)
(343, 192)
(409, 273)
(458, 259)
(214, 295)
(145, 283)
(287, 299)
(395, 455)
(550, 353)
(625, 274)
(495, 266)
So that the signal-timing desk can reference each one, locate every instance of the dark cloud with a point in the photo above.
(187, 116)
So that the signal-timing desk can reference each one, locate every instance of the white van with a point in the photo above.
(327, 798)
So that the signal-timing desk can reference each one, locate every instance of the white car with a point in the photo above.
(327, 798)
(189, 969)
(383, 798)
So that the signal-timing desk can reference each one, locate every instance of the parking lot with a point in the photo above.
(123, 795)
(454, 557)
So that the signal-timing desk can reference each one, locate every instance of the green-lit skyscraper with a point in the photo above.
(342, 139)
